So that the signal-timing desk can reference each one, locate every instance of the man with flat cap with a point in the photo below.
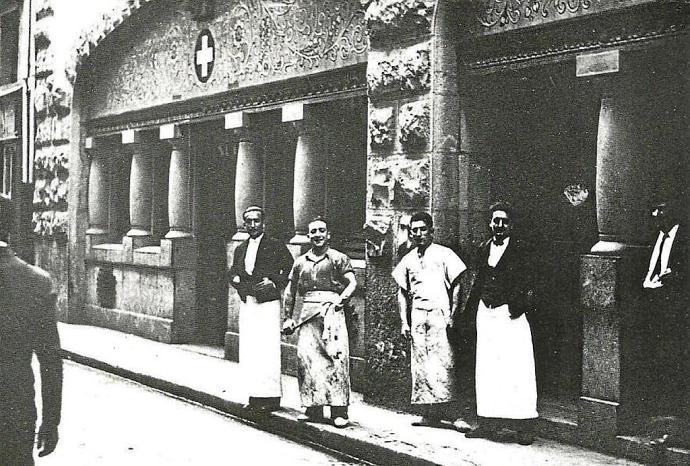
(27, 327)
(259, 272)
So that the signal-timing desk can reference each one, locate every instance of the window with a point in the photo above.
(9, 42)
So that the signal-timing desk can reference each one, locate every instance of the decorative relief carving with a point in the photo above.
(504, 12)
(391, 18)
(399, 184)
(408, 70)
(414, 125)
(275, 37)
(256, 42)
(381, 127)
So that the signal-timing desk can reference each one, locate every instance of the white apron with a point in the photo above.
(323, 354)
(260, 347)
(505, 375)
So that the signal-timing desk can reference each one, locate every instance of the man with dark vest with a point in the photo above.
(259, 273)
(665, 286)
(499, 298)
(27, 326)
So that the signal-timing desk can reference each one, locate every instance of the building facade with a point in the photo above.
(163, 120)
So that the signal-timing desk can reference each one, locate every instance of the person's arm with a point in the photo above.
(456, 300)
(344, 295)
(403, 304)
(289, 298)
(47, 349)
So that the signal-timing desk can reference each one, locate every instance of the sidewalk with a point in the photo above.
(377, 435)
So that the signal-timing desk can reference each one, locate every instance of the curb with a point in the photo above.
(283, 423)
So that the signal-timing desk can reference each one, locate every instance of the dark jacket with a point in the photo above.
(273, 261)
(515, 270)
(27, 326)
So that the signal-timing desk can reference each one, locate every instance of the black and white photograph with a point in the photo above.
(344, 232)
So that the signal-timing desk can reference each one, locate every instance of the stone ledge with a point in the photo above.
(151, 327)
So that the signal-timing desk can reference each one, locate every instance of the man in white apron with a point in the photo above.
(325, 279)
(259, 272)
(428, 296)
(501, 294)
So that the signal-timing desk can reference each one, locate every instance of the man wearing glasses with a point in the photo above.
(428, 296)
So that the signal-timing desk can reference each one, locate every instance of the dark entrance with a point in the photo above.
(540, 144)
(213, 160)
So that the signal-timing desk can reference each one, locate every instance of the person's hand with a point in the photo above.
(289, 327)
(236, 279)
(46, 440)
(264, 285)
(405, 331)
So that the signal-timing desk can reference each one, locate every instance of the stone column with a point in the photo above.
(99, 192)
(249, 178)
(140, 189)
(309, 175)
(637, 154)
(624, 182)
(179, 191)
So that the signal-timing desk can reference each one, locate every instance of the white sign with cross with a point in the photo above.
(204, 55)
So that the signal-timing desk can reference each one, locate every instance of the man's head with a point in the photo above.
(665, 215)
(254, 221)
(318, 233)
(421, 229)
(501, 222)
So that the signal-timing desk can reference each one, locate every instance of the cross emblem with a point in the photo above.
(204, 55)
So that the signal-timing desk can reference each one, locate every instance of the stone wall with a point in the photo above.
(412, 162)
(56, 33)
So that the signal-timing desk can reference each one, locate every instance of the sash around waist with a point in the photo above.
(319, 296)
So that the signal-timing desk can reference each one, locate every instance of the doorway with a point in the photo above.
(541, 142)
(213, 218)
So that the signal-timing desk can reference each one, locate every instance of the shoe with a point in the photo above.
(524, 438)
(340, 422)
(427, 422)
(480, 432)
(306, 418)
(461, 426)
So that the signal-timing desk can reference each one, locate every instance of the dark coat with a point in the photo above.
(273, 261)
(516, 268)
(27, 326)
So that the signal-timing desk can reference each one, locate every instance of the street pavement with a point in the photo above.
(108, 420)
(376, 434)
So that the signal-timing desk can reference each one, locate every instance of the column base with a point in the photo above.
(137, 232)
(173, 234)
(605, 246)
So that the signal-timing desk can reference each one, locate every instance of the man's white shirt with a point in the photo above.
(250, 256)
(496, 251)
(659, 254)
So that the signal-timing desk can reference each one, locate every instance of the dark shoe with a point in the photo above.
(427, 422)
(312, 415)
(480, 432)
(524, 438)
